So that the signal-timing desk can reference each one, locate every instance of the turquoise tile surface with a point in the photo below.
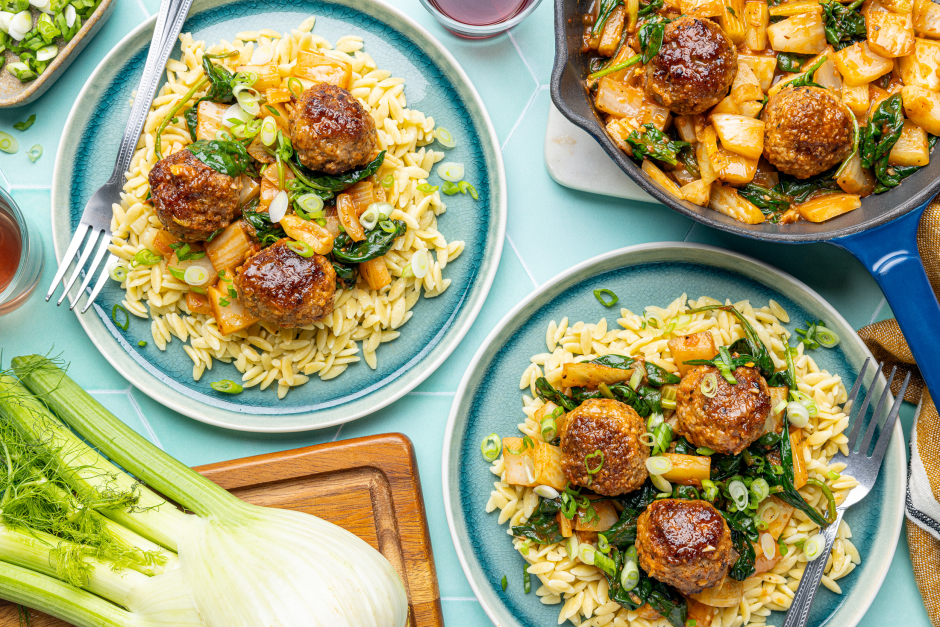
(550, 228)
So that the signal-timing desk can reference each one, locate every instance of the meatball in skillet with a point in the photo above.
(279, 286)
(731, 420)
(693, 69)
(614, 429)
(330, 130)
(807, 131)
(685, 544)
(191, 199)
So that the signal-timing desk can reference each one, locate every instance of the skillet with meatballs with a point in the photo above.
(660, 476)
(763, 111)
(274, 204)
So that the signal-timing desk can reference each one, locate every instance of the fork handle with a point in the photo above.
(798, 613)
(169, 24)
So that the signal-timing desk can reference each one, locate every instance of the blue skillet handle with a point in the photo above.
(890, 253)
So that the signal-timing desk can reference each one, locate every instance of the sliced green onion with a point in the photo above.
(833, 475)
(779, 407)
(572, 546)
(658, 465)
(549, 428)
(760, 490)
(814, 546)
(387, 225)
(196, 276)
(797, 414)
(420, 264)
(145, 257)
(662, 438)
(235, 115)
(604, 563)
(444, 137)
(768, 545)
(25, 124)
(524, 549)
(605, 297)
(47, 53)
(118, 273)
(589, 464)
(388, 181)
(526, 579)
(226, 386)
(526, 443)
(603, 389)
(295, 87)
(177, 273)
(465, 187)
(142, 343)
(427, 188)
(603, 545)
(8, 143)
(782, 546)
(709, 490)
(268, 131)
(310, 203)
(449, 189)
(504, 583)
(491, 446)
(629, 576)
(245, 78)
(546, 492)
(301, 248)
(668, 394)
(830, 498)
(127, 317)
(586, 554)
(376, 212)
(807, 401)
(738, 493)
(34, 153)
(223, 135)
(451, 171)
(826, 337)
(248, 98)
(709, 386)
(654, 421)
(704, 450)
(661, 484)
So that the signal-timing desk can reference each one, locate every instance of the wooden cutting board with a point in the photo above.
(368, 486)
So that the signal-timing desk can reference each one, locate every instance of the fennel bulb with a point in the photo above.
(234, 565)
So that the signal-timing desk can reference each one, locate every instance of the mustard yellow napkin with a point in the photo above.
(886, 342)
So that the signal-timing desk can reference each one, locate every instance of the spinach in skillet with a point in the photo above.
(650, 36)
(603, 14)
(844, 24)
(377, 243)
(882, 132)
(790, 61)
(653, 143)
(226, 157)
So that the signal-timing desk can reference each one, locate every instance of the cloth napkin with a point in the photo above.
(887, 344)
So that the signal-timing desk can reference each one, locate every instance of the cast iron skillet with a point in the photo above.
(882, 233)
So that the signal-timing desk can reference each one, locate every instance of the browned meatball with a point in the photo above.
(685, 544)
(279, 286)
(614, 429)
(330, 130)
(191, 199)
(730, 421)
(807, 130)
(694, 68)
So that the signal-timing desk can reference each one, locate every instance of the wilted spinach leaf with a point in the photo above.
(844, 25)
(882, 132)
(653, 143)
(226, 157)
(338, 182)
(377, 243)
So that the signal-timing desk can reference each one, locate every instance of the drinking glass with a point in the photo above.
(19, 273)
(479, 19)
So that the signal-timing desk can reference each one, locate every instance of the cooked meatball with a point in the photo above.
(693, 69)
(191, 199)
(731, 420)
(807, 130)
(685, 544)
(330, 130)
(279, 286)
(613, 428)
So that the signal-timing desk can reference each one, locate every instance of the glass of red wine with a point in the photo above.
(20, 256)
(479, 19)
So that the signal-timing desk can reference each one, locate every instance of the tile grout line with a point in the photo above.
(522, 261)
(689, 232)
(12, 186)
(878, 310)
(512, 131)
(106, 391)
(474, 599)
(431, 393)
(524, 60)
(146, 423)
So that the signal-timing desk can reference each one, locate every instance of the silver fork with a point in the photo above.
(861, 466)
(96, 218)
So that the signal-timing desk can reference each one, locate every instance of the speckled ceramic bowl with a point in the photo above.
(15, 93)
(488, 401)
(434, 84)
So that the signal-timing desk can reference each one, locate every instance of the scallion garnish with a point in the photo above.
(704, 450)
(34, 153)
(526, 581)
(590, 465)
(526, 443)
(709, 385)
(605, 297)
(449, 188)
(549, 428)
(8, 143)
(25, 124)
(738, 493)
(427, 188)
(145, 257)
(301, 248)
(226, 386)
(127, 317)
(490, 447)
(504, 583)
(142, 343)
(118, 273)
(177, 273)
(466, 187)
(444, 137)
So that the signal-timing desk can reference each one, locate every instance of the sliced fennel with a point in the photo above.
(239, 565)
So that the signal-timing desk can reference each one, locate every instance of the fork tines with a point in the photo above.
(887, 428)
(96, 236)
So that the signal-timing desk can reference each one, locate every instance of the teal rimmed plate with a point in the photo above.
(435, 84)
(488, 400)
